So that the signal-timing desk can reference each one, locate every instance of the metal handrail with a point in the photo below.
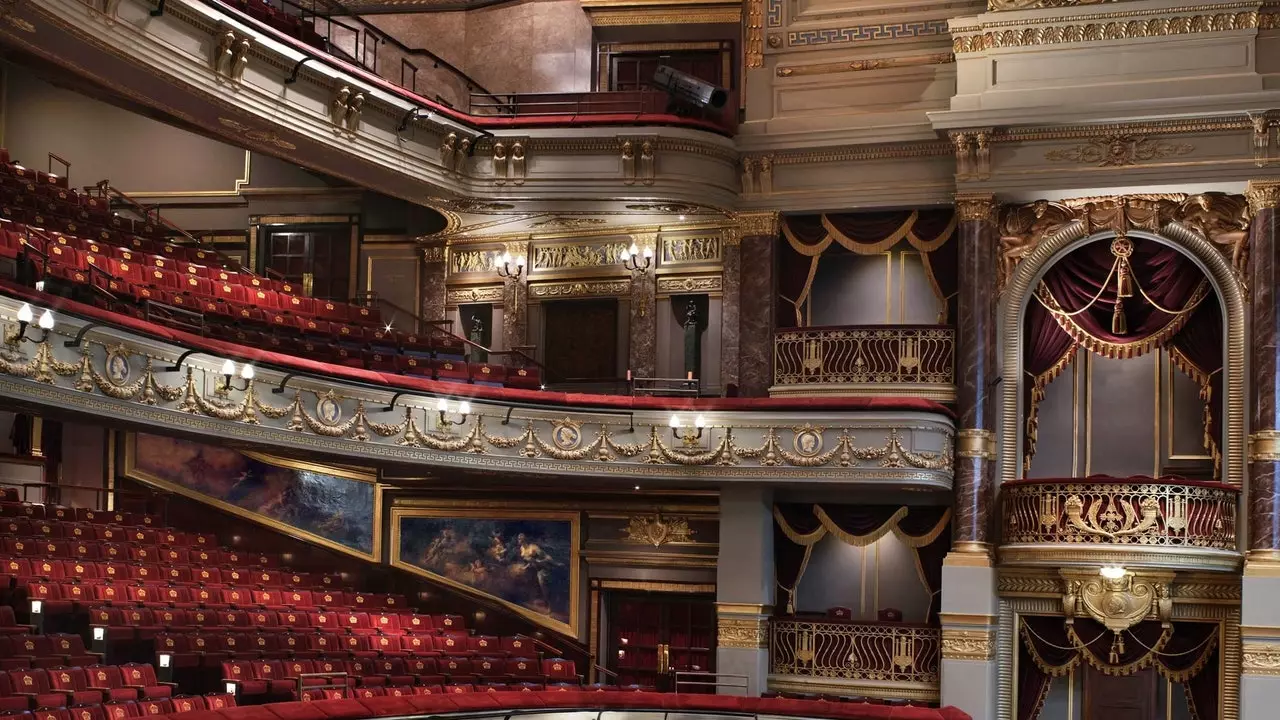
(56, 496)
(716, 682)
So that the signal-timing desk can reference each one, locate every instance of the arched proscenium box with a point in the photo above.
(1027, 276)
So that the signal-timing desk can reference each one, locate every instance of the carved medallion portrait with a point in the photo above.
(328, 409)
(567, 434)
(807, 441)
(117, 365)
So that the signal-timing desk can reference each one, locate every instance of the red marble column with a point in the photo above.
(758, 298)
(730, 312)
(1264, 380)
(975, 372)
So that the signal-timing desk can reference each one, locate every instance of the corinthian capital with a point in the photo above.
(1263, 195)
(976, 207)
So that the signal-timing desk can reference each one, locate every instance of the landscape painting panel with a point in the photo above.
(337, 509)
(525, 562)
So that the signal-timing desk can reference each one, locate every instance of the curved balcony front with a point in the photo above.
(1165, 523)
(124, 370)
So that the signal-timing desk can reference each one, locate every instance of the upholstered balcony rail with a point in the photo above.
(115, 366)
(550, 704)
(863, 655)
(914, 360)
(1120, 514)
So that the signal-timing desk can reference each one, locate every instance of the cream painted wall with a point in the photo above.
(531, 46)
(890, 287)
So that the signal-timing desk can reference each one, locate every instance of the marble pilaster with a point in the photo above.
(744, 588)
(757, 308)
(976, 357)
(515, 313)
(644, 325)
(730, 311)
(432, 290)
(1264, 381)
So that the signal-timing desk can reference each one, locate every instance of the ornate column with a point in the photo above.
(969, 603)
(758, 296)
(975, 371)
(1260, 614)
(515, 313)
(643, 360)
(432, 284)
(730, 308)
(745, 587)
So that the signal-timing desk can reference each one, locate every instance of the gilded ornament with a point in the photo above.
(682, 285)
(1117, 603)
(657, 531)
(759, 224)
(807, 440)
(1261, 659)
(563, 256)
(742, 633)
(967, 645)
(433, 254)
(566, 434)
(753, 34)
(329, 408)
(1119, 151)
(691, 250)
(117, 365)
(1264, 446)
(264, 137)
(580, 289)
(852, 652)
(1263, 195)
(488, 293)
(975, 208)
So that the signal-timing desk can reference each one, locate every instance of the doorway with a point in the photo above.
(316, 258)
(581, 339)
(1113, 697)
(651, 636)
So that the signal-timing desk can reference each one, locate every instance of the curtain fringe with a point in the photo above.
(1121, 351)
(859, 540)
(1205, 381)
(795, 536)
(1038, 387)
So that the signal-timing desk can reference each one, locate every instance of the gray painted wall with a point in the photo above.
(866, 580)
(890, 288)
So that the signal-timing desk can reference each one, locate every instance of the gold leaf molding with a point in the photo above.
(967, 644)
(1261, 659)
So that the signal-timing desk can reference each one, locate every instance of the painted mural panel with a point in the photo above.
(334, 506)
(527, 561)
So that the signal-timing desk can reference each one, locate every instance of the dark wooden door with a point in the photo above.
(318, 256)
(581, 339)
(653, 635)
(1108, 697)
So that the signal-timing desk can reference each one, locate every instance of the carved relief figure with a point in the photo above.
(338, 108)
(447, 149)
(460, 157)
(1223, 219)
(499, 162)
(354, 110)
(748, 176)
(222, 53)
(239, 60)
(766, 174)
(517, 163)
(646, 162)
(628, 163)
(1022, 229)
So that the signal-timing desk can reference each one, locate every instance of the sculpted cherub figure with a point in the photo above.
(1223, 219)
(1023, 227)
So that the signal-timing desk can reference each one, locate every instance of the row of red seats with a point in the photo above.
(285, 22)
(146, 623)
(270, 677)
(194, 573)
(225, 645)
(33, 688)
(144, 535)
(19, 652)
(11, 506)
(59, 598)
(126, 709)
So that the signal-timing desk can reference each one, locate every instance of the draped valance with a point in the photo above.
(808, 237)
(1123, 298)
(799, 527)
(1179, 652)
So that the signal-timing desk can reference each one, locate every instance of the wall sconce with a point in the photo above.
(1113, 572)
(505, 270)
(690, 436)
(25, 316)
(229, 369)
(464, 409)
(634, 259)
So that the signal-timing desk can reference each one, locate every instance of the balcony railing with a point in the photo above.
(892, 660)
(917, 360)
(1181, 521)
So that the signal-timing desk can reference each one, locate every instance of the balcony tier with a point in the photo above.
(830, 656)
(866, 360)
(1166, 523)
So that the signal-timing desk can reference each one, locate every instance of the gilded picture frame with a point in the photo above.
(129, 469)
(400, 514)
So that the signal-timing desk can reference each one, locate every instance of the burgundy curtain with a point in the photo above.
(808, 237)
(789, 557)
(1197, 351)
(1186, 653)
(1168, 301)
(1169, 278)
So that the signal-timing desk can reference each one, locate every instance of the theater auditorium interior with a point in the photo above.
(639, 359)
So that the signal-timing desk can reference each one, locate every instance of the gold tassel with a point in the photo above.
(1117, 649)
(1124, 281)
(1119, 324)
